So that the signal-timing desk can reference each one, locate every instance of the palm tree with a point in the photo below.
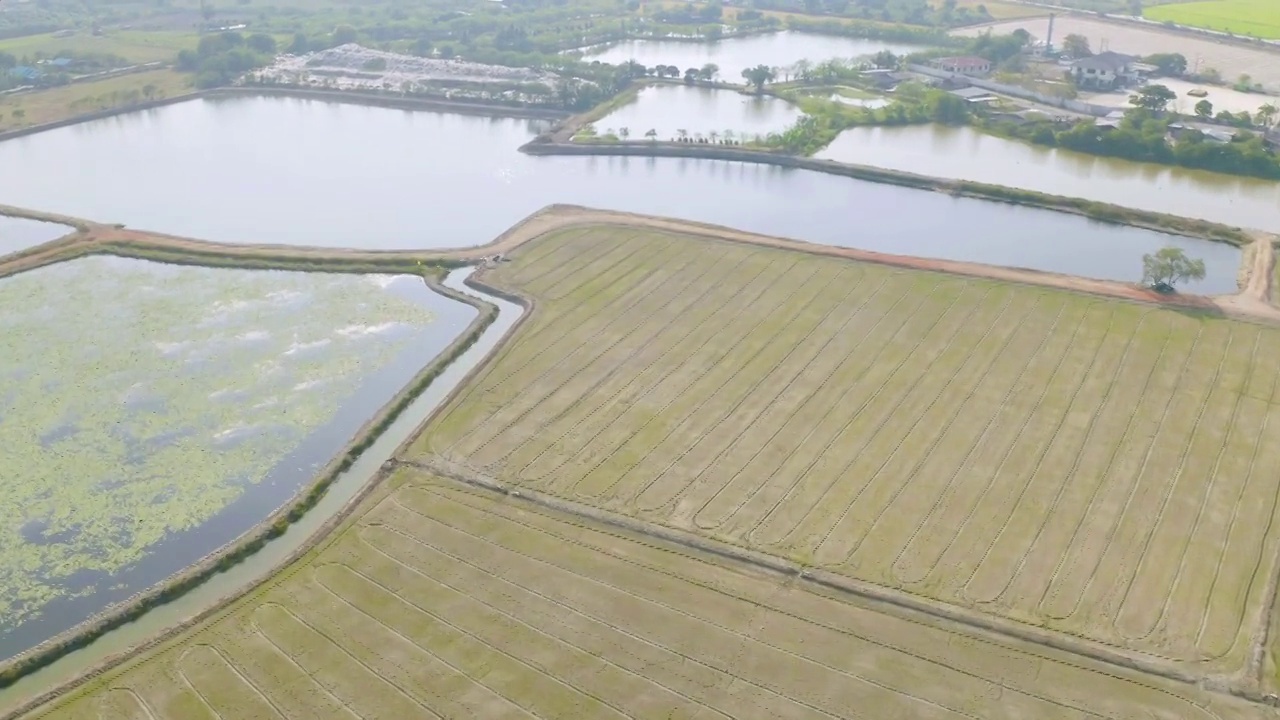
(1266, 115)
(624, 132)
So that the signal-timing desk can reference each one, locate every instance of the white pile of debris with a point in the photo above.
(355, 66)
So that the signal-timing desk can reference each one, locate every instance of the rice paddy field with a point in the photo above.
(438, 600)
(1097, 468)
(1254, 18)
(152, 413)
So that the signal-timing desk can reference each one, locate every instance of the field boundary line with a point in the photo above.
(849, 385)
(499, 580)
(652, 383)
(1105, 480)
(438, 619)
(676, 300)
(979, 442)
(452, 494)
(759, 320)
(942, 428)
(747, 638)
(847, 586)
(1172, 487)
(854, 416)
(853, 314)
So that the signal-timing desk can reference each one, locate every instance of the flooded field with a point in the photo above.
(154, 413)
(780, 50)
(19, 234)
(668, 109)
(968, 154)
(367, 177)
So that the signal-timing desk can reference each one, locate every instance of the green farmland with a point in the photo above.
(1254, 18)
(1094, 467)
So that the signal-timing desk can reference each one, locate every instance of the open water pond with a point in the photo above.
(667, 109)
(307, 172)
(19, 233)
(964, 153)
(733, 55)
(153, 413)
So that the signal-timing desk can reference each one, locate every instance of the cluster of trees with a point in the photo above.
(223, 57)
(947, 13)
(1156, 98)
(824, 120)
(1143, 136)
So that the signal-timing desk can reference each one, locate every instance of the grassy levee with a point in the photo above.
(1088, 467)
(439, 600)
(1102, 212)
(277, 522)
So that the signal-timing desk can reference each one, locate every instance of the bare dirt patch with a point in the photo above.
(1229, 59)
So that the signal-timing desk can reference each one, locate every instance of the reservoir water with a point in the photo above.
(780, 50)
(19, 233)
(309, 172)
(964, 153)
(153, 413)
(667, 109)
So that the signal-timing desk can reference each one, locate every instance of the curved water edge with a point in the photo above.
(431, 180)
(216, 583)
(967, 153)
(19, 234)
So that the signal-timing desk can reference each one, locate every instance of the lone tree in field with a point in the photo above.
(758, 76)
(1076, 46)
(1169, 266)
(1155, 98)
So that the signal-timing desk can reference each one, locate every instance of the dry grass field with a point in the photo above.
(1095, 467)
(441, 601)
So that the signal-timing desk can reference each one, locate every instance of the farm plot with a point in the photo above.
(1255, 18)
(1098, 468)
(441, 601)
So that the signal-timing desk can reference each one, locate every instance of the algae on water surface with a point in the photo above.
(139, 401)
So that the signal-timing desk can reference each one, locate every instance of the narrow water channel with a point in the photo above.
(260, 564)
(964, 153)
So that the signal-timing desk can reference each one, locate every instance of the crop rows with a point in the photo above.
(441, 601)
(1099, 468)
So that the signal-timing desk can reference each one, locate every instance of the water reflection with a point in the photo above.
(288, 171)
(733, 55)
(967, 154)
(667, 109)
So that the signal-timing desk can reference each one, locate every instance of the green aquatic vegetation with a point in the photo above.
(138, 400)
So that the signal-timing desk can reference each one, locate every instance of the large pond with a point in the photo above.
(733, 55)
(153, 413)
(307, 172)
(668, 109)
(967, 154)
(19, 233)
